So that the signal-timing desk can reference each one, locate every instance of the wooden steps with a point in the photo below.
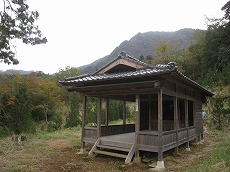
(116, 148)
(113, 148)
(118, 155)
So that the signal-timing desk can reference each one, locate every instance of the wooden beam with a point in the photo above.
(176, 126)
(160, 128)
(98, 117)
(137, 128)
(130, 154)
(124, 112)
(150, 117)
(107, 112)
(118, 86)
(84, 100)
(106, 115)
(122, 92)
(94, 148)
(186, 121)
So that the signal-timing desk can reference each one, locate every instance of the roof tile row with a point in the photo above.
(139, 72)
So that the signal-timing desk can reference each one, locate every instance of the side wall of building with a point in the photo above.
(181, 91)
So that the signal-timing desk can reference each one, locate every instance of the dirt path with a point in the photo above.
(63, 157)
(66, 158)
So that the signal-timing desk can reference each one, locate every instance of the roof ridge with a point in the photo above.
(169, 65)
(124, 55)
(75, 77)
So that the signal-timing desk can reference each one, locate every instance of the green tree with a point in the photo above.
(4, 114)
(66, 72)
(189, 61)
(61, 75)
(19, 107)
(91, 110)
(217, 40)
(226, 9)
(71, 100)
(163, 54)
(115, 110)
(17, 22)
(47, 96)
(20, 111)
(221, 107)
(73, 119)
(142, 58)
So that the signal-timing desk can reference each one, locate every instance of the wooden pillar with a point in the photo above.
(160, 125)
(107, 113)
(98, 117)
(124, 115)
(84, 100)
(176, 125)
(150, 117)
(186, 123)
(124, 112)
(137, 130)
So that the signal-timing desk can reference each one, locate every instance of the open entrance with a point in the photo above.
(149, 112)
(190, 113)
(181, 112)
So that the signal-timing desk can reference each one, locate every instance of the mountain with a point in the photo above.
(22, 72)
(144, 44)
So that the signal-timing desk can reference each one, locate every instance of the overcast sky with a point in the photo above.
(82, 31)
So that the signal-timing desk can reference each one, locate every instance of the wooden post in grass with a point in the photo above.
(137, 130)
(186, 124)
(160, 162)
(82, 150)
(99, 117)
(176, 126)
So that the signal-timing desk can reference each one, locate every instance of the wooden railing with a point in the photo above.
(192, 133)
(90, 132)
(168, 125)
(148, 140)
(117, 129)
(169, 140)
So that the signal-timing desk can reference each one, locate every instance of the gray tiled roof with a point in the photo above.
(149, 71)
(158, 69)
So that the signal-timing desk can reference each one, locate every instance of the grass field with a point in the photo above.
(218, 158)
(59, 151)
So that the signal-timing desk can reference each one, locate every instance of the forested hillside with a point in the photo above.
(37, 102)
(145, 44)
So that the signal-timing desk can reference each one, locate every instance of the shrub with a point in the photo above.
(4, 132)
(55, 124)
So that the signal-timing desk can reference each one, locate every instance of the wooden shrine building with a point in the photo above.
(168, 108)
